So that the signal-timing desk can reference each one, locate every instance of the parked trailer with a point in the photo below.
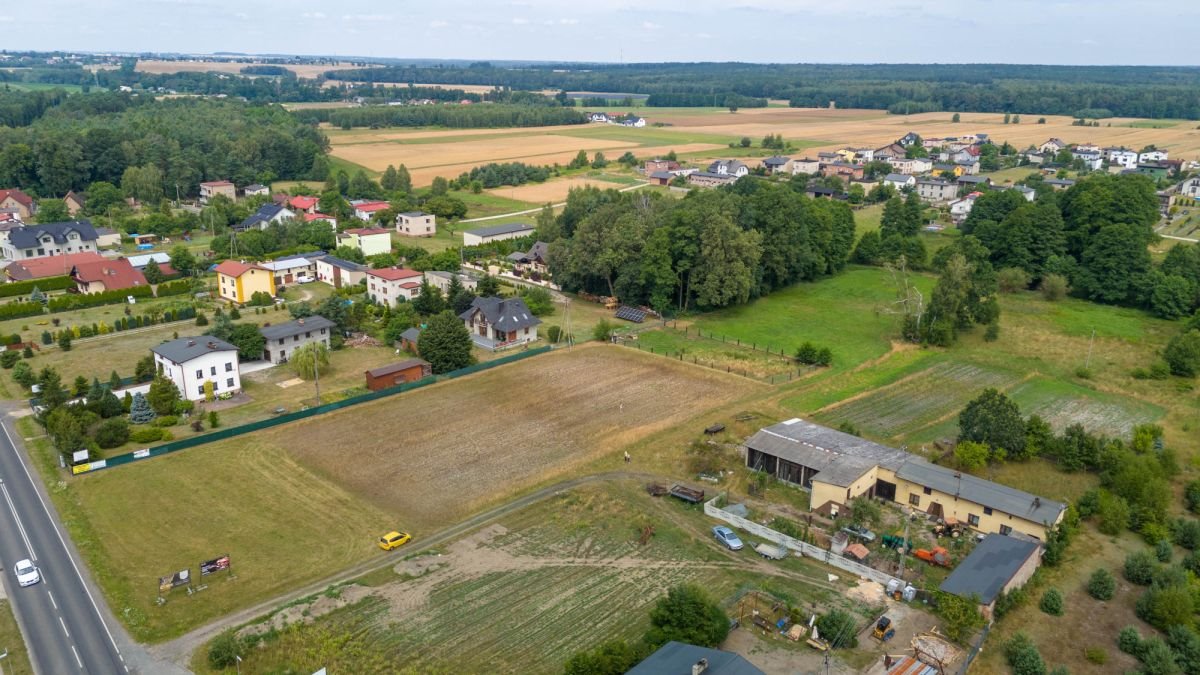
(771, 551)
(687, 494)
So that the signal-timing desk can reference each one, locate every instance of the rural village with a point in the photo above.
(595, 383)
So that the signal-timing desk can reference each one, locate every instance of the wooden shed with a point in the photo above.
(393, 374)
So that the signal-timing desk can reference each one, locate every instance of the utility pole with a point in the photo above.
(317, 373)
(1087, 363)
(904, 544)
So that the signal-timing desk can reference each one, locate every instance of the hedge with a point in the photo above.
(69, 302)
(174, 288)
(17, 310)
(43, 285)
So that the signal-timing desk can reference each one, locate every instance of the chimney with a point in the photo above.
(191, 343)
(300, 321)
(700, 666)
(212, 345)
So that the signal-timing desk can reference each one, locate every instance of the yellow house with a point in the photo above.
(956, 169)
(239, 281)
(848, 154)
(837, 467)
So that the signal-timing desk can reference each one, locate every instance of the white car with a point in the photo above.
(304, 279)
(27, 574)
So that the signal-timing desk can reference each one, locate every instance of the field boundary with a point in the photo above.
(687, 331)
(231, 432)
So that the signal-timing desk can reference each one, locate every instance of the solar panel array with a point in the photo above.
(631, 314)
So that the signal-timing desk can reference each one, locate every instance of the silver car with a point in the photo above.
(727, 537)
(860, 532)
(27, 574)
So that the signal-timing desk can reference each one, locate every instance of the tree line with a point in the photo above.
(711, 249)
(181, 142)
(452, 116)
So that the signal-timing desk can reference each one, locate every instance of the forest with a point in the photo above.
(710, 249)
(452, 116)
(100, 137)
(1134, 91)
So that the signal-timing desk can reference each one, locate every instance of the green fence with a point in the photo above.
(231, 432)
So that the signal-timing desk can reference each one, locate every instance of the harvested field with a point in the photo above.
(378, 155)
(469, 88)
(530, 422)
(309, 71)
(917, 400)
(552, 191)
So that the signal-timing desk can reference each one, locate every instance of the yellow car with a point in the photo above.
(393, 540)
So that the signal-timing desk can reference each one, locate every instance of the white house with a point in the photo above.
(392, 285)
(597, 117)
(961, 208)
(936, 190)
(486, 235)
(1152, 156)
(806, 166)
(728, 167)
(638, 122)
(1052, 146)
(370, 240)
(900, 181)
(1122, 157)
(441, 280)
(1092, 159)
(256, 190)
(338, 273)
(49, 239)
(291, 269)
(264, 217)
(500, 322)
(283, 339)
(189, 362)
(1190, 188)
(416, 224)
(365, 209)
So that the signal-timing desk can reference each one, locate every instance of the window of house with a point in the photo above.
(322, 331)
(973, 520)
(229, 383)
(295, 338)
(914, 499)
(212, 370)
(200, 390)
(199, 372)
(1006, 530)
(928, 491)
(987, 510)
(229, 367)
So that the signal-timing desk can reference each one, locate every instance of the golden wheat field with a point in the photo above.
(158, 67)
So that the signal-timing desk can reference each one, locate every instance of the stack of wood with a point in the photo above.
(363, 340)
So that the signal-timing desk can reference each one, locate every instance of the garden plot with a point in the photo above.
(1063, 404)
(918, 400)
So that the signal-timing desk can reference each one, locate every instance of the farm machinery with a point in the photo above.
(935, 556)
(949, 528)
(884, 629)
(896, 541)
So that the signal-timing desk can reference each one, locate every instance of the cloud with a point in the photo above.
(6, 19)
(313, 15)
(367, 17)
(568, 22)
(520, 22)
(1088, 41)
(438, 23)
(704, 36)
(650, 25)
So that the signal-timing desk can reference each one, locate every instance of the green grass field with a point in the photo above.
(43, 86)
(721, 355)
(11, 641)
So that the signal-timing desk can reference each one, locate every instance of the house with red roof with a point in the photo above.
(392, 285)
(212, 188)
(321, 218)
(106, 275)
(48, 266)
(365, 210)
(15, 199)
(370, 240)
(303, 203)
(239, 280)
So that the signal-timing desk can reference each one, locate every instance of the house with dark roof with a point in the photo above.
(837, 467)
(710, 179)
(777, 164)
(74, 202)
(393, 374)
(997, 565)
(255, 190)
(679, 658)
(285, 338)
(974, 182)
(195, 364)
(487, 235)
(661, 177)
(338, 273)
(441, 280)
(498, 323)
(533, 261)
(49, 239)
(934, 190)
(728, 167)
(264, 217)
(98, 276)
(409, 339)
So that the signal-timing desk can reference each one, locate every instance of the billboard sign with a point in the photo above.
(180, 578)
(215, 565)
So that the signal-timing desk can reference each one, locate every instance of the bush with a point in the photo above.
(8, 359)
(1166, 606)
(1139, 568)
(223, 651)
(1183, 354)
(992, 332)
(201, 320)
(807, 353)
(553, 333)
(184, 407)
(1054, 287)
(214, 420)
(824, 357)
(1129, 641)
(1186, 533)
(23, 375)
(602, 331)
(1102, 585)
(971, 455)
(1191, 495)
(1023, 656)
(1083, 373)
(1012, 279)
(112, 432)
(1052, 602)
(166, 421)
(1096, 655)
(146, 435)
(838, 627)
(687, 614)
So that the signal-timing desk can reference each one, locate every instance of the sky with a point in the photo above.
(1084, 32)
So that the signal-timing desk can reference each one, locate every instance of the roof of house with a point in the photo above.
(989, 567)
(974, 179)
(264, 214)
(507, 228)
(394, 273)
(30, 235)
(777, 160)
(303, 202)
(414, 214)
(142, 260)
(371, 206)
(662, 174)
(18, 196)
(1056, 141)
(1065, 182)
(821, 190)
(838, 457)
(184, 349)
(310, 217)
(729, 164)
(344, 264)
(365, 231)
(983, 492)
(105, 231)
(49, 266)
(236, 268)
(256, 187)
(411, 334)
(709, 174)
(381, 371)
(935, 181)
(284, 264)
(296, 327)
(112, 274)
(216, 183)
(897, 178)
(77, 197)
(504, 313)
(677, 658)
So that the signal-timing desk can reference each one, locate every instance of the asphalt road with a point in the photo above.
(64, 629)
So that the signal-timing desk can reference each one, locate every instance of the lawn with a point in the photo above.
(12, 643)
(847, 312)
(534, 588)
(713, 353)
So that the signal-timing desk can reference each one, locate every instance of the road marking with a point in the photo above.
(17, 518)
(64, 626)
(52, 599)
(77, 659)
(63, 541)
